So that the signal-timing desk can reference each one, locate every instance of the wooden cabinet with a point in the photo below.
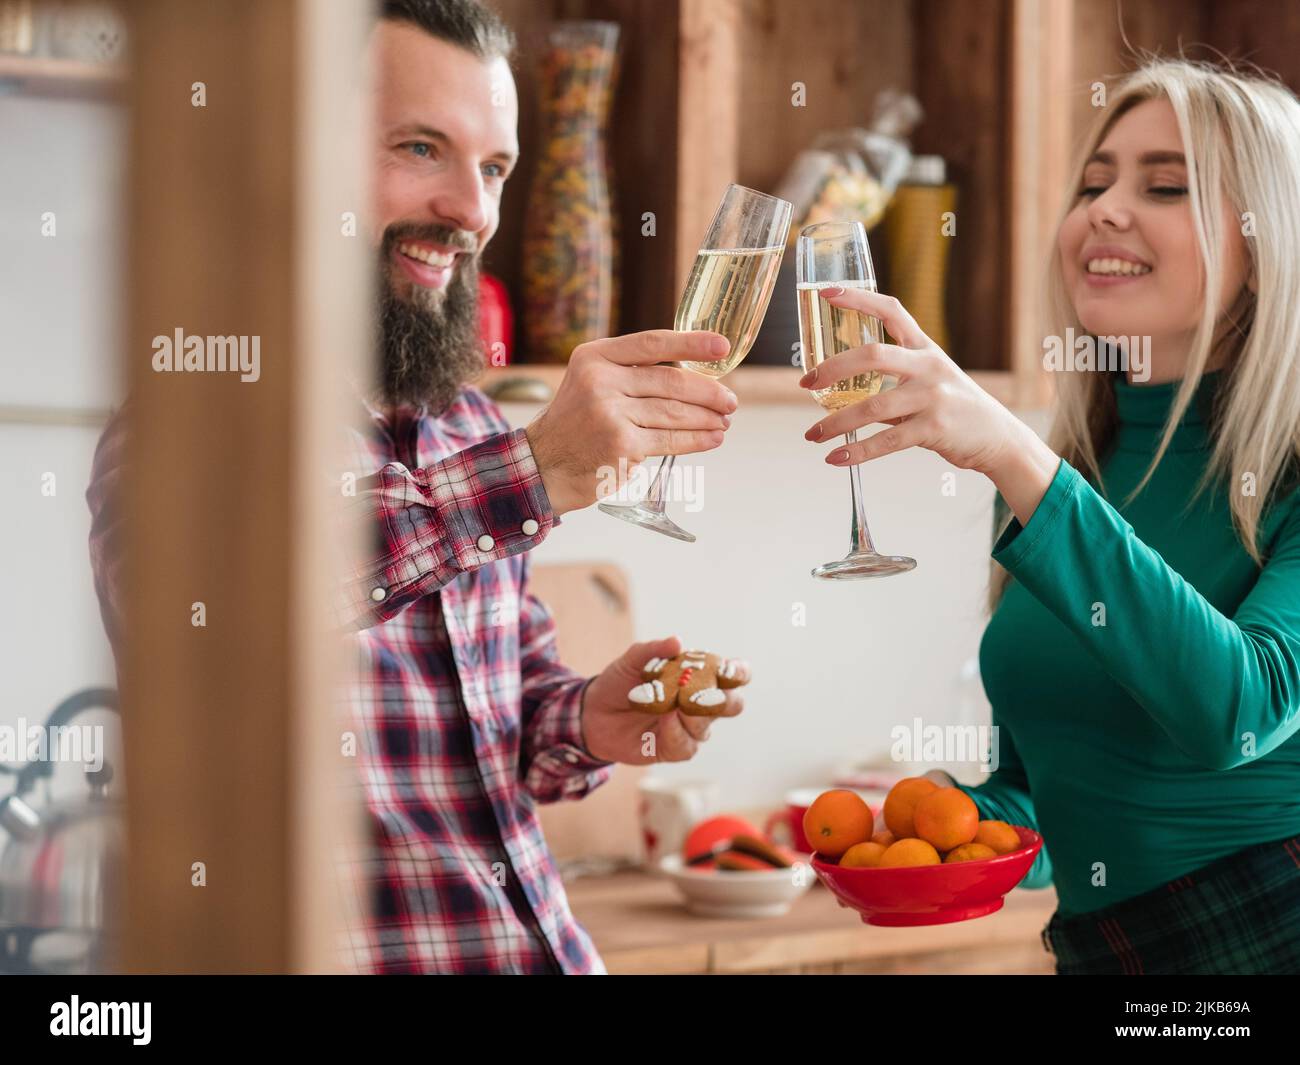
(704, 98)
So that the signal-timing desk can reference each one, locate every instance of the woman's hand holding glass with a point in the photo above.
(935, 404)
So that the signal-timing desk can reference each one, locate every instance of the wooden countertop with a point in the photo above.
(640, 925)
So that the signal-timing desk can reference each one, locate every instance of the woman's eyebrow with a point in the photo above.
(1145, 159)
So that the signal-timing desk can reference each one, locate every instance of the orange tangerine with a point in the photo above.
(862, 856)
(836, 820)
(884, 837)
(909, 852)
(970, 852)
(901, 800)
(946, 817)
(999, 835)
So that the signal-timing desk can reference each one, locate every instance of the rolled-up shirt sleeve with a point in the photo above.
(555, 763)
(422, 528)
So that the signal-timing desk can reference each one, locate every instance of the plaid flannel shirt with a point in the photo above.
(465, 718)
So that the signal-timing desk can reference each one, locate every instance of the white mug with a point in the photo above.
(668, 810)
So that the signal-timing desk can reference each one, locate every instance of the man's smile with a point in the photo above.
(427, 264)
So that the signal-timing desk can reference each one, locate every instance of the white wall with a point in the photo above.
(59, 310)
(59, 317)
(871, 655)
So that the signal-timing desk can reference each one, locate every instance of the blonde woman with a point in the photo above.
(1143, 655)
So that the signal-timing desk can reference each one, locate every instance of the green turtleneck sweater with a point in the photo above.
(1144, 672)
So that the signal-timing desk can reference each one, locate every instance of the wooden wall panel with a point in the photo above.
(709, 122)
(330, 293)
(1111, 37)
(1263, 32)
(961, 56)
(231, 749)
(1039, 149)
(843, 53)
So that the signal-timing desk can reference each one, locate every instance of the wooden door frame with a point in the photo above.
(237, 207)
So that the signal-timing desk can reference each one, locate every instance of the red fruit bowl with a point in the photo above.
(931, 894)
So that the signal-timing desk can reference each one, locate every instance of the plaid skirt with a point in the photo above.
(1238, 915)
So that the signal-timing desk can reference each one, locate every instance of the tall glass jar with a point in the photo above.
(570, 255)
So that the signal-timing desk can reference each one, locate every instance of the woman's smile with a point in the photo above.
(1106, 265)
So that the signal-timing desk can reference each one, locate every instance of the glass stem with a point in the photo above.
(861, 538)
(654, 500)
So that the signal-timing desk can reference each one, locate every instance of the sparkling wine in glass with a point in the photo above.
(836, 254)
(727, 292)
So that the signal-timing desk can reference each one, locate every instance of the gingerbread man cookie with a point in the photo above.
(694, 682)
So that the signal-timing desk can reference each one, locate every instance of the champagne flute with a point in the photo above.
(836, 254)
(728, 293)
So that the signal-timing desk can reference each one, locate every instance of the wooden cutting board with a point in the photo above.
(593, 619)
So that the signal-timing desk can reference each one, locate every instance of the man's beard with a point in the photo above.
(429, 342)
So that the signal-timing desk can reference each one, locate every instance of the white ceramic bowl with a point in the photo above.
(721, 893)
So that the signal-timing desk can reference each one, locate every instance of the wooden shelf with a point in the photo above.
(698, 74)
(32, 414)
(704, 97)
(765, 385)
(42, 76)
(752, 384)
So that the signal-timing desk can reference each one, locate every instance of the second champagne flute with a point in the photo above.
(836, 254)
(728, 293)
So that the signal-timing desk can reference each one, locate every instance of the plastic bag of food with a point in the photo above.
(850, 174)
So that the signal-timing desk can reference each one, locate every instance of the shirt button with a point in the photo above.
(571, 757)
(486, 543)
(379, 594)
(530, 527)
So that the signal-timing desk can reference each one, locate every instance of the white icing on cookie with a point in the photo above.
(708, 697)
(650, 692)
(733, 667)
(656, 665)
(693, 663)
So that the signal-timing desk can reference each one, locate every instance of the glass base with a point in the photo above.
(860, 567)
(648, 519)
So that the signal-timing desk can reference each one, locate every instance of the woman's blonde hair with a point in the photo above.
(1241, 138)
